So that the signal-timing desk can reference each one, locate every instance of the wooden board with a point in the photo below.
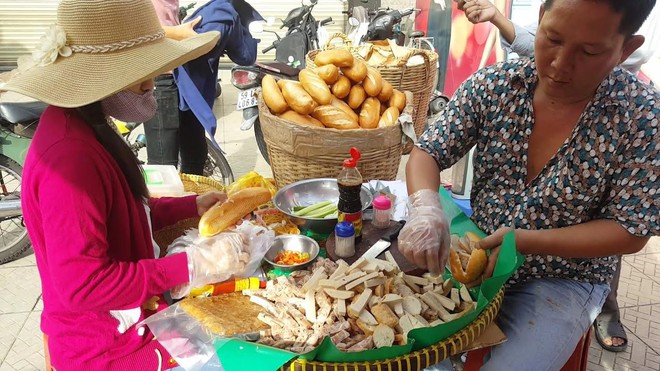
(370, 235)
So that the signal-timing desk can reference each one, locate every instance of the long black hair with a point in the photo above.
(119, 150)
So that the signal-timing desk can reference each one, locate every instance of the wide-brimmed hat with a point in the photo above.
(100, 47)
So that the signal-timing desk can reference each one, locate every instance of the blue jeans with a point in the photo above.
(543, 320)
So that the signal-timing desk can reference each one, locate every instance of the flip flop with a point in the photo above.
(607, 325)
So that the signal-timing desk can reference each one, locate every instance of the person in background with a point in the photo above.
(566, 159)
(609, 330)
(174, 134)
(85, 201)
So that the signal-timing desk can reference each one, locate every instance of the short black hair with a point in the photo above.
(634, 12)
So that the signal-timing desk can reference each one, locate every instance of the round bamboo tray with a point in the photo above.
(416, 360)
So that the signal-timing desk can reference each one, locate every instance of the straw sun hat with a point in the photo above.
(100, 47)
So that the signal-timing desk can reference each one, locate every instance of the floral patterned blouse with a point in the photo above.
(609, 167)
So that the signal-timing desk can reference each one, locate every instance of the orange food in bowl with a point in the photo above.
(286, 257)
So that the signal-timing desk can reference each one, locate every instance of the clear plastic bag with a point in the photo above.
(236, 253)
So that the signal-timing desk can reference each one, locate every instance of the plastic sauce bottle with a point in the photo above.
(382, 212)
(344, 240)
(349, 182)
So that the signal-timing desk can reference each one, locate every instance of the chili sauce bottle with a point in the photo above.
(349, 182)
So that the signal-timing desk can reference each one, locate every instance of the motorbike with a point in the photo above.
(216, 166)
(18, 122)
(302, 29)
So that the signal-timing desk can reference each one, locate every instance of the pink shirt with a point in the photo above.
(168, 11)
(93, 247)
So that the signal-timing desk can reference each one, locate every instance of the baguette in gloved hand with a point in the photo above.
(224, 215)
(425, 239)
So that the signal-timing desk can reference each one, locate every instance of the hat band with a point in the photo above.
(95, 49)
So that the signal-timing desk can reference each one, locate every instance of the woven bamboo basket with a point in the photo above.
(417, 79)
(417, 360)
(303, 152)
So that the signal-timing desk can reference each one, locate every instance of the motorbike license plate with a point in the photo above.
(247, 99)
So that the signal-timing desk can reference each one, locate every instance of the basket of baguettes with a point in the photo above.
(406, 69)
(310, 125)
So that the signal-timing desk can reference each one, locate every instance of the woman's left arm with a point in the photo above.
(596, 238)
(166, 211)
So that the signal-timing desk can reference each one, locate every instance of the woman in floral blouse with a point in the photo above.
(567, 156)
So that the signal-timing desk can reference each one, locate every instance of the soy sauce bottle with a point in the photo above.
(349, 182)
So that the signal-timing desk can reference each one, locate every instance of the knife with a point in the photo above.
(384, 242)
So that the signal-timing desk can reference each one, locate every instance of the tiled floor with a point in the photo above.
(21, 346)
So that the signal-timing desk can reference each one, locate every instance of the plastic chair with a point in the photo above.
(577, 362)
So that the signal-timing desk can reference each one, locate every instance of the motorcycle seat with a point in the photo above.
(416, 34)
(22, 112)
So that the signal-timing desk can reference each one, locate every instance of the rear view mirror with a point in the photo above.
(256, 27)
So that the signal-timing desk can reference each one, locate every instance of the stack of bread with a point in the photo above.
(341, 93)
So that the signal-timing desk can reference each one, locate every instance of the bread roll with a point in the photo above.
(370, 113)
(296, 97)
(337, 57)
(357, 72)
(373, 82)
(398, 100)
(315, 86)
(344, 107)
(356, 96)
(342, 87)
(389, 117)
(386, 92)
(333, 117)
(475, 266)
(223, 215)
(273, 95)
(304, 120)
(329, 73)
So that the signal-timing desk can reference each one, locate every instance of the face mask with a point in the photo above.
(128, 106)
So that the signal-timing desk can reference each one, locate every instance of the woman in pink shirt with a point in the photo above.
(85, 202)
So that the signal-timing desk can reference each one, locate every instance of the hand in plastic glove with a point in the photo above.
(207, 200)
(425, 239)
(212, 260)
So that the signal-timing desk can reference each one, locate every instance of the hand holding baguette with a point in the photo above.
(223, 215)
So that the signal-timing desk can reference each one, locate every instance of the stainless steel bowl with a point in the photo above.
(292, 242)
(308, 192)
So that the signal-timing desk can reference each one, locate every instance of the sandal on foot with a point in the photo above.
(606, 326)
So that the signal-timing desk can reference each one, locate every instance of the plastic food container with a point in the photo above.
(163, 180)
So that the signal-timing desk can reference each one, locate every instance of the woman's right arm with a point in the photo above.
(90, 266)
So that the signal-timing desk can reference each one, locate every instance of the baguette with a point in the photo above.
(475, 266)
(342, 87)
(304, 120)
(333, 117)
(315, 86)
(357, 72)
(273, 95)
(370, 113)
(398, 100)
(345, 107)
(296, 97)
(389, 117)
(337, 57)
(356, 96)
(386, 92)
(223, 215)
(373, 82)
(329, 73)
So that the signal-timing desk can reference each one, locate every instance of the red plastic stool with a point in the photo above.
(577, 362)
(49, 367)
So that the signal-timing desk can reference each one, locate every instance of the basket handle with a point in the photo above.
(338, 35)
(411, 53)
